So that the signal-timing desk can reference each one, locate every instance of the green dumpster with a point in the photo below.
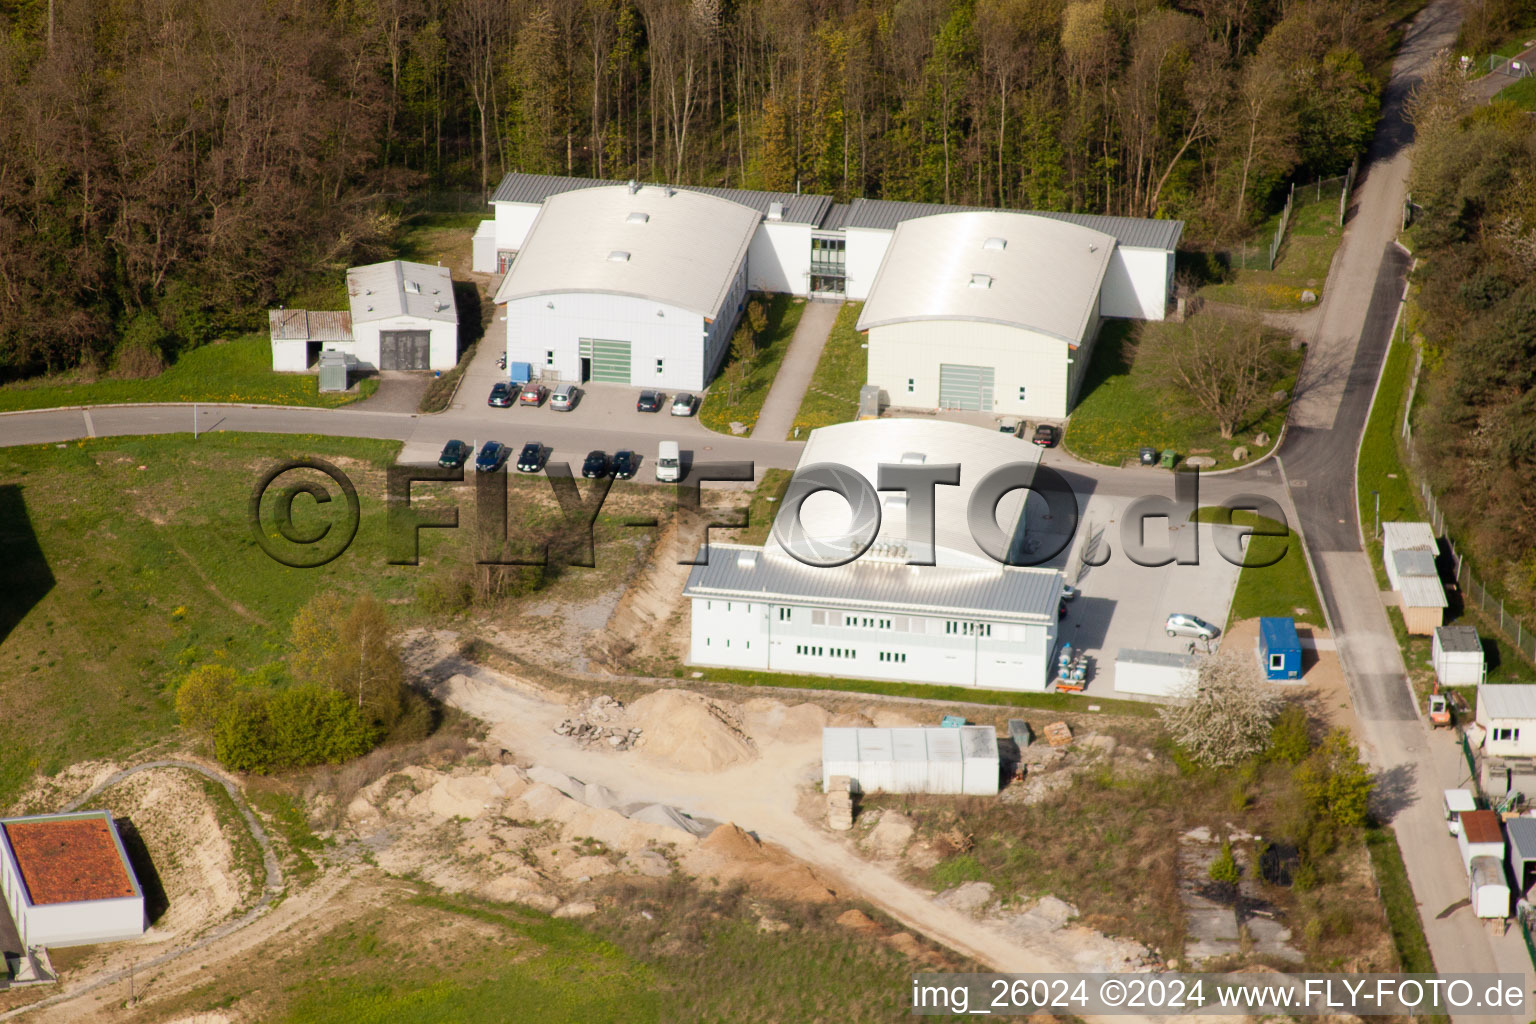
(1169, 458)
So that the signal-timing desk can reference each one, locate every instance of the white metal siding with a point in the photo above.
(866, 251)
(1458, 668)
(946, 763)
(915, 350)
(1137, 284)
(978, 745)
(543, 323)
(839, 755)
(365, 343)
(81, 924)
(483, 248)
(512, 223)
(730, 633)
(779, 258)
(877, 771)
(1153, 680)
(290, 356)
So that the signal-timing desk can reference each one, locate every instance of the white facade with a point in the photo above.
(402, 316)
(1154, 673)
(1507, 712)
(931, 760)
(1034, 375)
(1490, 891)
(1137, 284)
(72, 923)
(866, 251)
(290, 356)
(513, 222)
(367, 343)
(482, 248)
(779, 258)
(547, 331)
(1457, 655)
(1480, 836)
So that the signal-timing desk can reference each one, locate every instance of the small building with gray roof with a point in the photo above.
(637, 285)
(990, 312)
(402, 316)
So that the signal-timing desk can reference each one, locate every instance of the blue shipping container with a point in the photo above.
(1280, 648)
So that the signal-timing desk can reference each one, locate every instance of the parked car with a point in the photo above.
(492, 455)
(625, 464)
(669, 462)
(532, 457)
(455, 454)
(533, 394)
(1014, 427)
(501, 395)
(649, 401)
(683, 404)
(1180, 624)
(564, 398)
(1046, 436)
(596, 465)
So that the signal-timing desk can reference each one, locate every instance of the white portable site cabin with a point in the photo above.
(1481, 835)
(930, 760)
(1457, 654)
(1457, 803)
(1490, 891)
(1507, 711)
(1155, 673)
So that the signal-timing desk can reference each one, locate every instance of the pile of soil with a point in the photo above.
(691, 732)
(772, 721)
(729, 854)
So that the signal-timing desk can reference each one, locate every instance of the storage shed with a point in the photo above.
(1457, 654)
(1522, 852)
(1154, 673)
(1457, 802)
(978, 744)
(1482, 835)
(1279, 648)
(1408, 551)
(932, 760)
(67, 880)
(1490, 892)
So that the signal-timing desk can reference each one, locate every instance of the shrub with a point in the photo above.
(266, 730)
(1290, 737)
(1336, 785)
(1226, 714)
(1223, 870)
(204, 694)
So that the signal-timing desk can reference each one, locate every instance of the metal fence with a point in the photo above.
(446, 202)
(1511, 66)
(1262, 255)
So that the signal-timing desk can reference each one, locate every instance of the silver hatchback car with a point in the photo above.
(1179, 624)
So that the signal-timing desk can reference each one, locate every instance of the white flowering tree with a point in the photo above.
(1225, 715)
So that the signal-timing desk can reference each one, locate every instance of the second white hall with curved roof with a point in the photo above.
(634, 284)
(986, 311)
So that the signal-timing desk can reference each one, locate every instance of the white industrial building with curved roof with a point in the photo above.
(636, 284)
(964, 620)
(986, 311)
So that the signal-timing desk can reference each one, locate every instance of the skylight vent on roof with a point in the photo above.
(995, 244)
(981, 280)
(618, 256)
(414, 287)
(637, 218)
(775, 211)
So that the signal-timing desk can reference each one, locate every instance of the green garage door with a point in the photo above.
(965, 387)
(405, 350)
(609, 359)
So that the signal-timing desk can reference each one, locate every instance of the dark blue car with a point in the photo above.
(492, 455)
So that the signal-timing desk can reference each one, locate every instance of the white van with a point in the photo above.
(669, 463)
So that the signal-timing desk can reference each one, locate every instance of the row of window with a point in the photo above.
(708, 643)
(968, 628)
(1506, 735)
(897, 656)
(549, 359)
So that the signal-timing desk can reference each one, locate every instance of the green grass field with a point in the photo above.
(1284, 589)
(741, 400)
(1381, 466)
(1398, 901)
(239, 370)
(1302, 264)
(833, 396)
(1122, 407)
(1522, 94)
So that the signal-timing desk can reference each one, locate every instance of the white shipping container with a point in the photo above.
(839, 756)
(909, 761)
(876, 772)
(1490, 892)
(946, 765)
(1154, 673)
(978, 744)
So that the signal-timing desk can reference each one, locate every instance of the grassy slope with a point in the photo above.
(1398, 901)
(1119, 410)
(833, 396)
(746, 396)
(239, 370)
(1522, 94)
(1284, 589)
(1311, 239)
(1381, 466)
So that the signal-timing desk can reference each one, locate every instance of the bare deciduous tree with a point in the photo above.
(1226, 366)
(1225, 715)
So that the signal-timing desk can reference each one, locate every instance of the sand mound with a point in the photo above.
(690, 732)
(730, 854)
(851, 720)
(772, 721)
(886, 718)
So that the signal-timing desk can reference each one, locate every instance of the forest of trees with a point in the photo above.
(168, 167)
(1474, 195)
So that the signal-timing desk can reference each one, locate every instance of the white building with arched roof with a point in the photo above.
(986, 311)
(965, 620)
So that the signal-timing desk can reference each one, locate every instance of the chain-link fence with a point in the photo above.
(446, 202)
(1262, 253)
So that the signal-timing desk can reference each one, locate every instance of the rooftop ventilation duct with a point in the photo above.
(637, 218)
(414, 287)
(746, 559)
(775, 211)
(634, 186)
(995, 244)
(981, 280)
(618, 256)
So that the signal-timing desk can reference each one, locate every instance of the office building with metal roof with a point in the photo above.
(963, 618)
(991, 312)
(808, 245)
(634, 284)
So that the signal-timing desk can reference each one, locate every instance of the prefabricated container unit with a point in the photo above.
(1482, 835)
(333, 370)
(1522, 852)
(978, 745)
(946, 762)
(1457, 654)
(1154, 673)
(1279, 648)
(1403, 537)
(876, 770)
(909, 761)
(1490, 891)
(1457, 803)
(839, 756)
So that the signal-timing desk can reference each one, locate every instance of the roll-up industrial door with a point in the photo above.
(609, 360)
(405, 350)
(965, 387)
